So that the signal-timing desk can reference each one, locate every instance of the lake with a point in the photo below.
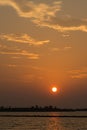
(22, 121)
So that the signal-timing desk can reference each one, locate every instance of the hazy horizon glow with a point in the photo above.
(43, 43)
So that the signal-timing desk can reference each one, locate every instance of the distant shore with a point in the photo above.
(39, 109)
(63, 116)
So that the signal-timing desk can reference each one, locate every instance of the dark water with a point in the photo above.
(44, 123)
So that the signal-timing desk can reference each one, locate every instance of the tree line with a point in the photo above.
(37, 108)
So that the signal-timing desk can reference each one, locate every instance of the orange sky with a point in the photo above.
(43, 43)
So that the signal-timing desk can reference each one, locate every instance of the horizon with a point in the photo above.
(40, 107)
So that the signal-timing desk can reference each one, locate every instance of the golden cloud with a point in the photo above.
(46, 15)
(56, 49)
(12, 65)
(63, 28)
(78, 74)
(39, 11)
(67, 48)
(22, 53)
(24, 38)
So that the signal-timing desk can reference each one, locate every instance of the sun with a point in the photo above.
(54, 89)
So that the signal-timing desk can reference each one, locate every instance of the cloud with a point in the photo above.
(29, 9)
(22, 53)
(66, 35)
(23, 38)
(67, 48)
(46, 15)
(12, 65)
(78, 74)
(64, 28)
(13, 50)
(15, 57)
(56, 49)
(4, 47)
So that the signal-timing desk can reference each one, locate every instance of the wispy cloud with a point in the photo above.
(67, 48)
(21, 53)
(56, 49)
(46, 15)
(14, 51)
(36, 11)
(23, 38)
(64, 28)
(78, 74)
(12, 65)
(6, 47)
(15, 57)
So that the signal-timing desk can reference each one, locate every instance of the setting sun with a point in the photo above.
(54, 89)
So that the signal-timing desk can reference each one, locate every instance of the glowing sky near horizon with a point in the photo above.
(43, 42)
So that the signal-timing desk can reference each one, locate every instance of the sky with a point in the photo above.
(43, 43)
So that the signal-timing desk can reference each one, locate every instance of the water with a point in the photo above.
(43, 123)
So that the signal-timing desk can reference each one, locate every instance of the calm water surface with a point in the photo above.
(43, 123)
